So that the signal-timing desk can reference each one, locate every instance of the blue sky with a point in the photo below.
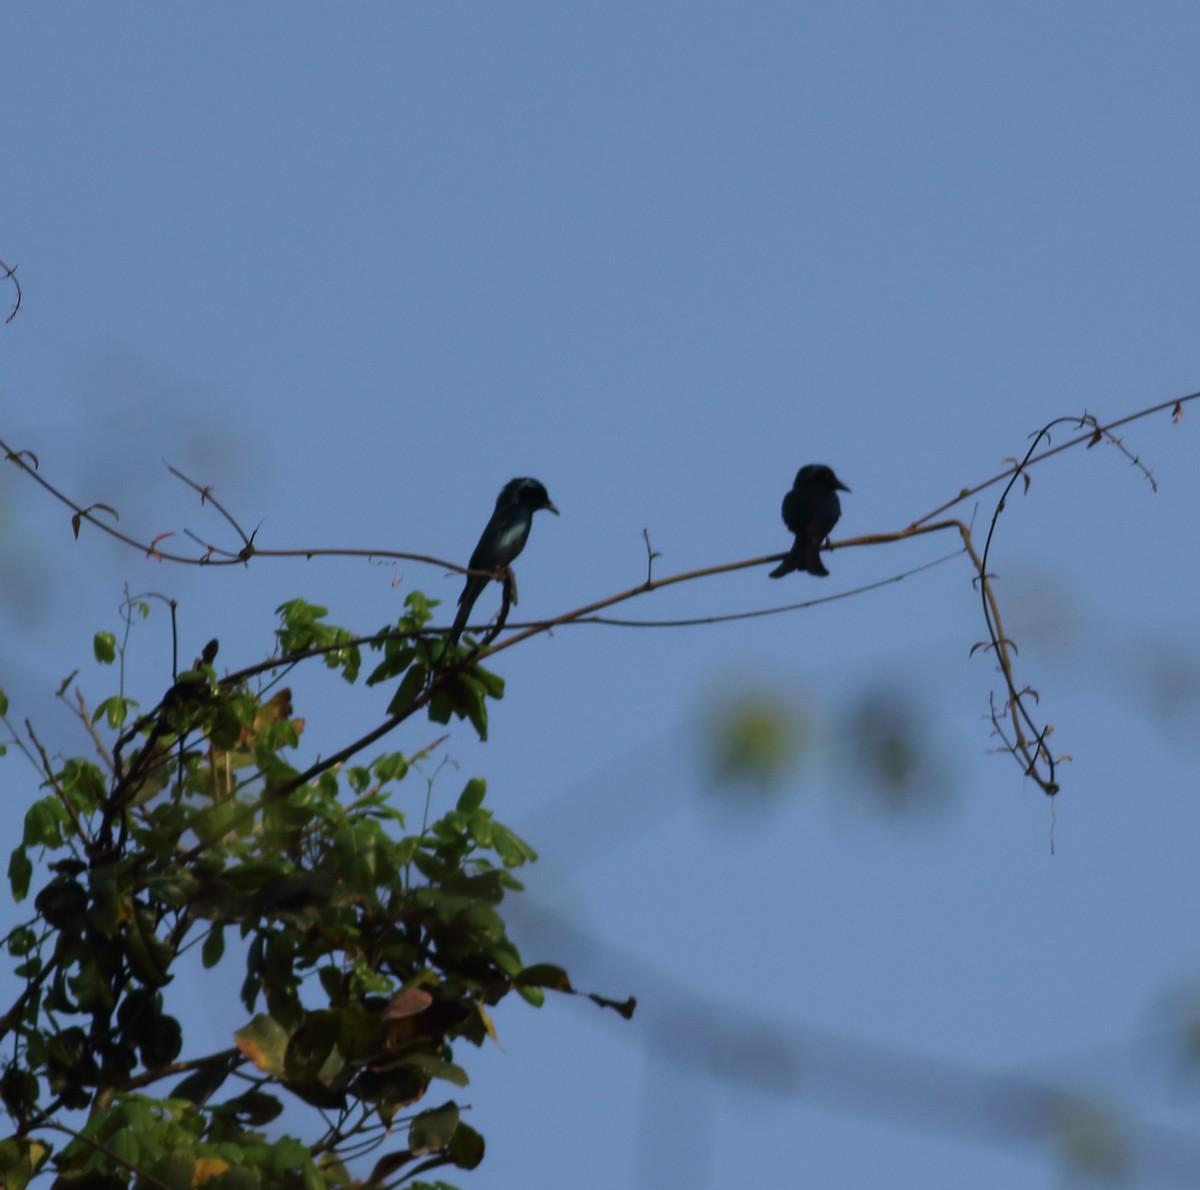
(358, 266)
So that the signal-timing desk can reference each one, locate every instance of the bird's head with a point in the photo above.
(818, 473)
(530, 493)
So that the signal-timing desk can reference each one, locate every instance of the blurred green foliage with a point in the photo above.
(754, 736)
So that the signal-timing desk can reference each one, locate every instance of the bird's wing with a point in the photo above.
(503, 539)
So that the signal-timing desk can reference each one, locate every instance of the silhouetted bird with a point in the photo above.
(502, 540)
(810, 510)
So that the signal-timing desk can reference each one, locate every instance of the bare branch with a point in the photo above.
(1023, 737)
(150, 549)
(728, 617)
(1175, 406)
(207, 496)
(85, 717)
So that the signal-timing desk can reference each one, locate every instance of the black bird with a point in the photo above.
(502, 540)
(810, 510)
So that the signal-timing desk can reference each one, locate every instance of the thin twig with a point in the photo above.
(151, 549)
(85, 718)
(651, 554)
(207, 496)
(10, 274)
(1001, 644)
(729, 617)
(12, 1018)
(1106, 434)
(1175, 405)
(14, 738)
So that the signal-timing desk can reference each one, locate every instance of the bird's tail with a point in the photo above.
(806, 557)
(812, 560)
(466, 604)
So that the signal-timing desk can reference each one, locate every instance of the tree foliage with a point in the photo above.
(369, 945)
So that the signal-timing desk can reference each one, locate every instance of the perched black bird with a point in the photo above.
(810, 510)
(502, 540)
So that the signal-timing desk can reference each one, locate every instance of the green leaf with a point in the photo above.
(109, 888)
(360, 1034)
(492, 683)
(511, 849)
(544, 975)
(20, 1091)
(84, 784)
(201, 1084)
(386, 1166)
(104, 645)
(356, 855)
(20, 1158)
(3, 703)
(149, 955)
(125, 1146)
(350, 660)
(397, 658)
(463, 697)
(331, 982)
(391, 767)
(472, 796)
(255, 1108)
(419, 605)
(214, 946)
(300, 626)
(176, 1168)
(43, 823)
(162, 1042)
(264, 1041)
(20, 872)
(174, 887)
(466, 1146)
(431, 1131)
(21, 941)
(313, 1058)
(62, 902)
(286, 1155)
(410, 689)
(213, 822)
(235, 1178)
(116, 710)
(483, 921)
(433, 1067)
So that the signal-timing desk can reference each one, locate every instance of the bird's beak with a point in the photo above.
(550, 507)
(837, 483)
